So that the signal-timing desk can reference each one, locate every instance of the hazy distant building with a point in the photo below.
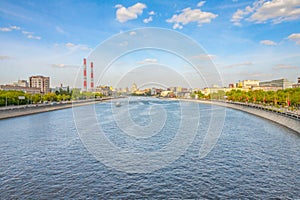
(250, 83)
(41, 82)
(105, 90)
(28, 90)
(280, 83)
(266, 88)
(173, 89)
(297, 85)
(231, 85)
(22, 83)
(133, 88)
(61, 89)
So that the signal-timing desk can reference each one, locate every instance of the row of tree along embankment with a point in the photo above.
(17, 111)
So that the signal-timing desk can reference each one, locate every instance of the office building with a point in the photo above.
(280, 83)
(41, 82)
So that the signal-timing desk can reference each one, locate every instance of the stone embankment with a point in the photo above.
(289, 120)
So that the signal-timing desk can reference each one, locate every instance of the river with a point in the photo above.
(43, 156)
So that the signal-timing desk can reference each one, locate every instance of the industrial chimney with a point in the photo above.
(84, 75)
(92, 76)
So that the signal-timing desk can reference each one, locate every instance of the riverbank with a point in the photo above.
(19, 111)
(288, 121)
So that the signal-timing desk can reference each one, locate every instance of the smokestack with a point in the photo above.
(92, 76)
(84, 75)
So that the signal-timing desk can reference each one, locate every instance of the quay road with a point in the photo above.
(280, 111)
(16, 111)
(281, 116)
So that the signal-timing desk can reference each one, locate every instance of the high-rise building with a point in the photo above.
(280, 83)
(41, 82)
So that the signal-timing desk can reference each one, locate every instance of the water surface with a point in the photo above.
(42, 157)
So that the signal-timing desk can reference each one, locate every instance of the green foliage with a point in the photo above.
(77, 95)
(218, 95)
(12, 97)
(199, 93)
(280, 97)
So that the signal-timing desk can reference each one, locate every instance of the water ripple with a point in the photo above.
(42, 157)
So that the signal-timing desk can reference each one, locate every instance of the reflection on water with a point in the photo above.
(42, 157)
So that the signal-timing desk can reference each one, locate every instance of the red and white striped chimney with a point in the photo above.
(92, 76)
(84, 75)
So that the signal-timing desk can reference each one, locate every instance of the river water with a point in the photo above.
(43, 157)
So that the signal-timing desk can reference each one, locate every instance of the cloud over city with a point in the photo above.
(124, 14)
(148, 61)
(5, 57)
(189, 15)
(64, 66)
(29, 35)
(238, 65)
(295, 37)
(268, 42)
(285, 67)
(275, 11)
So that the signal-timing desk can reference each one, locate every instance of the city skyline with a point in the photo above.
(244, 39)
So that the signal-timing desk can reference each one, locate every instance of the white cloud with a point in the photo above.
(118, 6)
(8, 29)
(268, 42)
(238, 65)
(5, 57)
(205, 56)
(73, 47)
(295, 37)
(175, 26)
(124, 14)
(132, 33)
(64, 66)
(284, 67)
(85, 48)
(247, 75)
(148, 61)
(124, 44)
(69, 44)
(27, 33)
(147, 20)
(240, 14)
(277, 11)
(201, 3)
(34, 37)
(151, 13)
(60, 30)
(5, 29)
(263, 11)
(15, 28)
(30, 35)
(189, 15)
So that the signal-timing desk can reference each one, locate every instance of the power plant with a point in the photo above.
(92, 76)
(85, 76)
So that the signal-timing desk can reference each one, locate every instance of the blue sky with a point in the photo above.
(255, 39)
